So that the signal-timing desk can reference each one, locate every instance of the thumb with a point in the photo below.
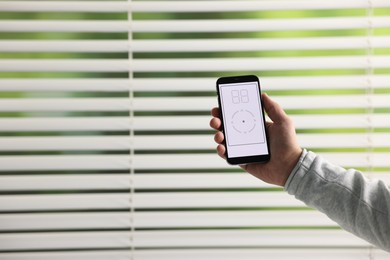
(273, 109)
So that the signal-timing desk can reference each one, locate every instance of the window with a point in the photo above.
(105, 147)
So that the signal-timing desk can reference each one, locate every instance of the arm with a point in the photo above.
(358, 205)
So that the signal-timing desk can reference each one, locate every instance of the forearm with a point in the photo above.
(346, 196)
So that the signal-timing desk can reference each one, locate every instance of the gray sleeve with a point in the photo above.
(358, 205)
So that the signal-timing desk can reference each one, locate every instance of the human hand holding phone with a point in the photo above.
(282, 142)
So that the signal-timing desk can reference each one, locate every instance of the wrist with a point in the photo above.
(295, 168)
(293, 163)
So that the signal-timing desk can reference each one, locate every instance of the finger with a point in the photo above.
(273, 109)
(215, 112)
(219, 137)
(215, 123)
(221, 151)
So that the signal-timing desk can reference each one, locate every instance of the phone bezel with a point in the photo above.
(244, 159)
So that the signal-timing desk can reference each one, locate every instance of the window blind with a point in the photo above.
(105, 147)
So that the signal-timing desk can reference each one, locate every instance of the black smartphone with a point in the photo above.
(243, 120)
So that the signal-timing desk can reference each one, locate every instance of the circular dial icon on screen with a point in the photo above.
(243, 121)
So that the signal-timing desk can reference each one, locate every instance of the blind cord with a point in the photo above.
(369, 93)
(131, 132)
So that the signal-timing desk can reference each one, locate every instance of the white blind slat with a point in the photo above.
(239, 6)
(96, 26)
(219, 254)
(140, 181)
(76, 85)
(61, 240)
(65, 182)
(250, 25)
(68, 202)
(64, 162)
(122, 181)
(161, 161)
(76, 65)
(267, 83)
(217, 25)
(159, 200)
(63, 6)
(64, 46)
(215, 45)
(65, 104)
(265, 238)
(64, 221)
(65, 124)
(220, 45)
(185, 161)
(188, 6)
(51, 143)
(261, 64)
(206, 64)
(67, 255)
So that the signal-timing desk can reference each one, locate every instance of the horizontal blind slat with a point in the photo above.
(174, 219)
(154, 200)
(186, 161)
(110, 181)
(120, 239)
(190, 84)
(65, 124)
(58, 84)
(64, 162)
(225, 45)
(217, 25)
(161, 161)
(195, 65)
(51, 143)
(70, 255)
(262, 64)
(253, 25)
(240, 6)
(63, 240)
(65, 104)
(231, 219)
(265, 238)
(188, 6)
(64, 221)
(63, 6)
(65, 65)
(96, 26)
(218, 254)
(79, 181)
(83, 46)
(203, 45)
(267, 83)
(68, 202)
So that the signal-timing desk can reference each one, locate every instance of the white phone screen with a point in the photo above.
(243, 119)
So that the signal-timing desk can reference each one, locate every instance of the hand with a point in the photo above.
(284, 147)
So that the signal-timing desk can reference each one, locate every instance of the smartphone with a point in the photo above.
(243, 120)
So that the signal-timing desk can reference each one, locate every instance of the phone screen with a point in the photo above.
(243, 120)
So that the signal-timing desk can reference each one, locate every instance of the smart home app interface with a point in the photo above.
(244, 129)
